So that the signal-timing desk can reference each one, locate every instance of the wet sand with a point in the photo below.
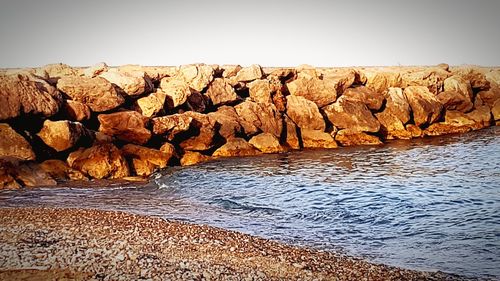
(78, 244)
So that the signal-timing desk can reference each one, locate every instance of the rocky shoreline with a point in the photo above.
(75, 244)
(61, 123)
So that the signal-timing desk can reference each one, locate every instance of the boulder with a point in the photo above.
(347, 137)
(152, 104)
(316, 90)
(13, 145)
(414, 130)
(353, 115)
(230, 70)
(7, 179)
(495, 110)
(459, 122)
(488, 97)
(196, 76)
(203, 134)
(98, 93)
(381, 80)
(221, 92)
(197, 102)
(100, 161)
(425, 106)
(60, 171)
(171, 125)
(169, 149)
(257, 117)
(128, 126)
(76, 111)
(146, 160)
(176, 90)
(317, 139)
(236, 147)
(373, 100)
(292, 138)
(267, 143)
(22, 94)
(60, 70)
(155, 73)
(304, 113)
(341, 78)
(475, 76)
(457, 94)
(229, 122)
(192, 157)
(260, 91)
(395, 115)
(30, 174)
(432, 78)
(95, 70)
(131, 83)
(250, 73)
(63, 135)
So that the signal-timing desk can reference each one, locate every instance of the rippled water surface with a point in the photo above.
(430, 204)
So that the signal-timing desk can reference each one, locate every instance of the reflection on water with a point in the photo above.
(431, 204)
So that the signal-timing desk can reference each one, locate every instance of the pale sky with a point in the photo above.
(270, 32)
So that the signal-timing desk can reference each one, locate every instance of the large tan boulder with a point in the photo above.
(146, 160)
(63, 135)
(30, 174)
(7, 176)
(257, 117)
(23, 94)
(432, 78)
(459, 122)
(495, 111)
(267, 143)
(98, 93)
(103, 160)
(304, 113)
(425, 106)
(60, 171)
(488, 97)
(341, 78)
(373, 100)
(380, 80)
(229, 122)
(196, 76)
(152, 104)
(221, 92)
(13, 145)
(95, 70)
(314, 89)
(474, 75)
(171, 125)
(317, 139)
(57, 71)
(395, 115)
(250, 73)
(236, 147)
(230, 70)
(292, 138)
(131, 83)
(177, 91)
(192, 157)
(350, 138)
(129, 126)
(353, 115)
(76, 111)
(202, 137)
(260, 91)
(457, 94)
(156, 73)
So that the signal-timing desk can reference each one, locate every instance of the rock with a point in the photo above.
(441, 128)
(260, 91)
(353, 115)
(146, 160)
(236, 147)
(99, 94)
(197, 102)
(13, 145)
(425, 106)
(77, 111)
(203, 135)
(7, 172)
(304, 113)
(178, 91)
(221, 92)
(279, 101)
(95, 70)
(230, 70)
(131, 83)
(21, 94)
(267, 143)
(395, 115)
(100, 161)
(152, 104)
(381, 80)
(432, 78)
(457, 94)
(155, 73)
(30, 174)
(169, 149)
(314, 89)
(192, 157)
(59, 70)
(255, 118)
(250, 73)
(307, 71)
(373, 100)
(489, 97)
(414, 130)
(341, 78)
(196, 76)
(317, 139)
(475, 76)
(459, 122)
(495, 110)
(128, 126)
(59, 170)
(228, 119)
(292, 138)
(63, 135)
(347, 137)
(481, 117)
(171, 125)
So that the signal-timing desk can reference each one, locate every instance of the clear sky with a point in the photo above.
(269, 32)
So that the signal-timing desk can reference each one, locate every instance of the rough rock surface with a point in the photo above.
(204, 134)
(13, 145)
(373, 100)
(260, 91)
(229, 122)
(192, 157)
(236, 147)
(100, 161)
(77, 111)
(221, 92)
(266, 143)
(152, 104)
(395, 115)
(63, 135)
(304, 113)
(349, 138)
(250, 73)
(316, 90)
(352, 115)
(292, 138)
(178, 91)
(255, 118)
(317, 139)
(380, 80)
(171, 125)
(129, 126)
(425, 106)
(59, 170)
(98, 93)
(457, 94)
(196, 76)
(131, 83)
(146, 160)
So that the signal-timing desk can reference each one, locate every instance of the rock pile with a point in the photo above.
(60, 122)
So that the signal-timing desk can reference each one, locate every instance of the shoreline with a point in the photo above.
(112, 245)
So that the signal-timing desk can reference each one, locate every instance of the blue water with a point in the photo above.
(428, 204)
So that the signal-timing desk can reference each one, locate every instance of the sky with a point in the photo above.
(269, 33)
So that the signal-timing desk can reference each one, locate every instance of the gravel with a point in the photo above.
(81, 244)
